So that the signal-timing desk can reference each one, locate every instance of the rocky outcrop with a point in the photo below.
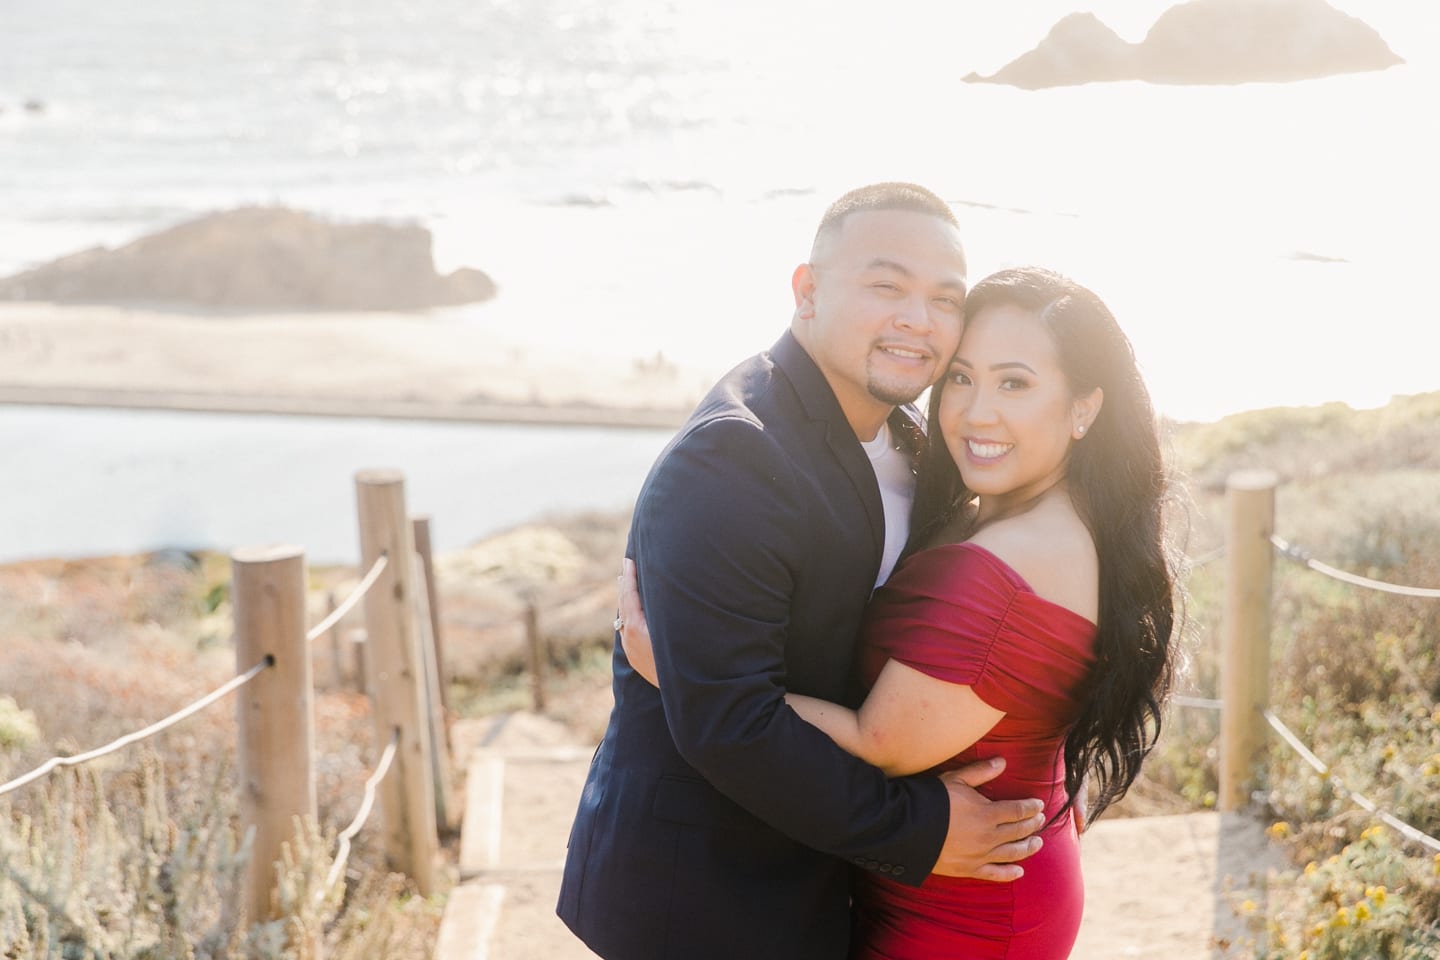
(261, 258)
(1079, 45)
(1205, 41)
(1238, 41)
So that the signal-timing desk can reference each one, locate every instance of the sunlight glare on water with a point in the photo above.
(642, 176)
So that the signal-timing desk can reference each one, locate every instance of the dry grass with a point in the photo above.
(137, 854)
(95, 649)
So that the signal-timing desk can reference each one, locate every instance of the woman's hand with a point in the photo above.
(630, 624)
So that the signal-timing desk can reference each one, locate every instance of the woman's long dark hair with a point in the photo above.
(1117, 482)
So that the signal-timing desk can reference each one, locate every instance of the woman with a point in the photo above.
(1031, 617)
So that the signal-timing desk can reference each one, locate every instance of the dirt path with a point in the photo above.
(1156, 887)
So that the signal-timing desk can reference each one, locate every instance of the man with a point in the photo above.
(715, 823)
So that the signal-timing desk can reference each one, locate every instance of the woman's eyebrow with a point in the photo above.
(1007, 365)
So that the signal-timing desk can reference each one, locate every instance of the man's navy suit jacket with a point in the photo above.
(715, 823)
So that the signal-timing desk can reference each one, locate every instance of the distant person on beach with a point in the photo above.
(715, 822)
(1029, 618)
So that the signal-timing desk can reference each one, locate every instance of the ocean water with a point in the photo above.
(643, 176)
(102, 482)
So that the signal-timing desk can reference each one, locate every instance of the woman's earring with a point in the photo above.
(1080, 429)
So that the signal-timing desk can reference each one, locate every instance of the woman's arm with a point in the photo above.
(910, 721)
(630, 624)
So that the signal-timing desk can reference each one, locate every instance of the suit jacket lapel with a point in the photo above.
(822, 408)
(907, 425)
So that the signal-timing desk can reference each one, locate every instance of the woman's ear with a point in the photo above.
(1084, 411)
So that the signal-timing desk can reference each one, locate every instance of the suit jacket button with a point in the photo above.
(897, 870)
(886, 867)
(872, 864)
(859, 861)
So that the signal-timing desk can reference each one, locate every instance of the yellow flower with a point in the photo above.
(1389, 752)
(1304, 955)
(1279, 831)
(1362, 912)
(1310, 868)
(1341, 918)
(1248, 907)
(1317, 930)
(1376, 893)
(1372, 832)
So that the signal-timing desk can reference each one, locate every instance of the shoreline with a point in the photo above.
(576, 413)
(358, 408)
(453, 366)
(447, 366)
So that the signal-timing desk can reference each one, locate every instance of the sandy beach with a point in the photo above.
(429, 365)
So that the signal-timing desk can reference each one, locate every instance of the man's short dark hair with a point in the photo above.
(885, 196)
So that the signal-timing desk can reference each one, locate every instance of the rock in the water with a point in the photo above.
(1239, 41)
(1078, 46)
(259, 258)
(1205, 41)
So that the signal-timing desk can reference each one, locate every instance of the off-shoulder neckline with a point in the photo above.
(1011, 573)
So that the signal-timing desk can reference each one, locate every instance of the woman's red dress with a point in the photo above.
(959, 613)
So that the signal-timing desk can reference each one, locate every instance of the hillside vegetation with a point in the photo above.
(138, 855)
(1354, 672)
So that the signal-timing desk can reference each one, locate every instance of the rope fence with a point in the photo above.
(1209, 556)
(55, 763)
(235, 683)
(342, 851)
(1359, 799)
(1302, 557)
(275, 727)
(1246, 635)
(346, 605)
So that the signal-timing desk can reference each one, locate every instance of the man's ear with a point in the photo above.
(802, 284)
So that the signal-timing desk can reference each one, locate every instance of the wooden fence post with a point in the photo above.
(276, 735)
(446, 810)
(421, 528)
(446, 814)
(535, 641)
(335, 643)
(1245, 634)
(355, 636)
(395, 673)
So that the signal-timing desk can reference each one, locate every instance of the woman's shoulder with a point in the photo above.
(1053, 552)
